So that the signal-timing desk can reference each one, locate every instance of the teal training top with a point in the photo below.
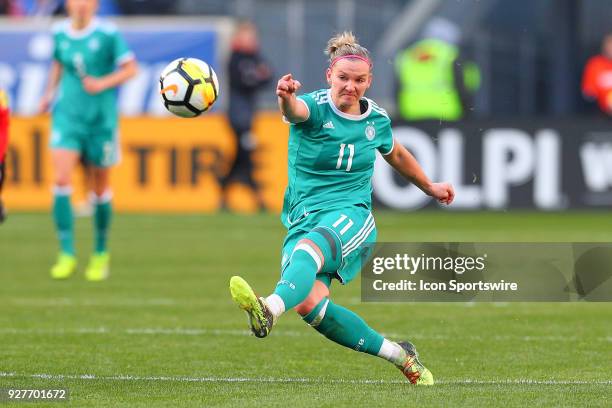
(331, 156)
(94, 51)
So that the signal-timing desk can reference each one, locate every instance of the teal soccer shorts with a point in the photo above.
(353, 226)
(97, 145)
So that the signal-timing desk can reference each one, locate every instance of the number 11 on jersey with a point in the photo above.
(351, 149)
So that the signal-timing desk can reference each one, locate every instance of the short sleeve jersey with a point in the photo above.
(94, 51)
(332, 154)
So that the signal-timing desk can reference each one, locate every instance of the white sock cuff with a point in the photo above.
(275, 304)
(62, 190)
(105, 197)
(310, 251)
(390, 351)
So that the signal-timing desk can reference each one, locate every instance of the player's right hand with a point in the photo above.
(443, 192)
(287, 86)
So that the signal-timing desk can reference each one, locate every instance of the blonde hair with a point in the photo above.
(345, 44)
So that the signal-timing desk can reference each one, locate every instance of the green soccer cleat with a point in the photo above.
(261, 319)
(64, 266)
(413, 369)
(98, 267)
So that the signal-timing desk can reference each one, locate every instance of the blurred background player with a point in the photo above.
(248, 73)
(4, 139)
(327, 207)
(435, 82)
(597, 77)
(90, 60)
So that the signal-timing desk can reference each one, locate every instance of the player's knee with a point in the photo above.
(97, 192)
(317, 314)
(101, 180)
(63, 179)
(306, 306)
(318, 292)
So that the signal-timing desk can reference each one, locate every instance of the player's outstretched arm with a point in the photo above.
(294, 111)
(405, 164)
(125, 71)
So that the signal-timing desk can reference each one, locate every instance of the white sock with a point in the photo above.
(393, 352)
(275, 304)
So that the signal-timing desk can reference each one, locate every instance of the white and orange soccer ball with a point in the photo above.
(188, 87)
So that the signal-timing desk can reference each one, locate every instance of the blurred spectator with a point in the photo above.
(435, 82)
(248, 72)
(597, 77)
(10, 8)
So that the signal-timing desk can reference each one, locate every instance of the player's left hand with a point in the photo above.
(443, 192)
(93, 85)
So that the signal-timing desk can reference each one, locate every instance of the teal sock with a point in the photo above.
(62, 215)
(102, 218)
(297, 279)
(344, 327)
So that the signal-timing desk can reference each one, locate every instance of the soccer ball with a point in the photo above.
(188, 87)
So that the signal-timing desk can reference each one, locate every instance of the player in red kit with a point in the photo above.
(597, 77)
(4, 123)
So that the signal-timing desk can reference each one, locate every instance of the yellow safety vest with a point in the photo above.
(427, 88)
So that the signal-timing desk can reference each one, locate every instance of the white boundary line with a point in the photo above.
(284, 333)
(70, 302)
(175, 302)
(139, 331)
(289, 380)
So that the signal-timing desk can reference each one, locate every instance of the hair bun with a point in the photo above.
(345, 39)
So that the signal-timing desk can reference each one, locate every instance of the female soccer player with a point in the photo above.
(90, 60)
(327, 210)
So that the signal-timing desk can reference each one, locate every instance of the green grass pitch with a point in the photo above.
(163, 331)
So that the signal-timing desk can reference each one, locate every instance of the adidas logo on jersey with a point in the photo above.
(329, 125)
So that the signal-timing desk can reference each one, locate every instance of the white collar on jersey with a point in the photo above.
(84, 32)
(348, 115)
